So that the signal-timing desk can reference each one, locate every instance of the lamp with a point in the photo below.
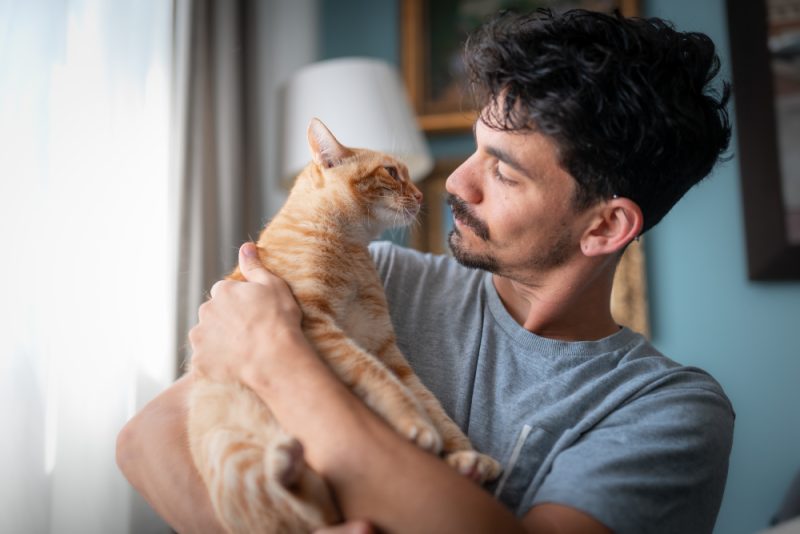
(362, 102)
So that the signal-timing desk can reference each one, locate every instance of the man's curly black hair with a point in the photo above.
(627, 100)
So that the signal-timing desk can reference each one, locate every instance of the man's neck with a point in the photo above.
(569, 306)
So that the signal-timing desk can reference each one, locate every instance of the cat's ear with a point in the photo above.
(325, 149)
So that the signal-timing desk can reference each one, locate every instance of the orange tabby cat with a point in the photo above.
(255, 473)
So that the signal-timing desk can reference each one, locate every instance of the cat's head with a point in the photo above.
(373, 187)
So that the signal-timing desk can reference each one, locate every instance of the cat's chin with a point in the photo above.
(388, 218)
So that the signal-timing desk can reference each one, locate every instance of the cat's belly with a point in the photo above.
(214, 405)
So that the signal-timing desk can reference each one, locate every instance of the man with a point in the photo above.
(592, 127)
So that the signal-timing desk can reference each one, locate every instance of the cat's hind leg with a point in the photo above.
(257, 487)
(299, 488)
(255, 474)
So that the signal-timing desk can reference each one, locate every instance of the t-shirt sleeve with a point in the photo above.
(657, 464)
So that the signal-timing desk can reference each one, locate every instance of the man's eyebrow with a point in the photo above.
(501, 154)
(508, 159)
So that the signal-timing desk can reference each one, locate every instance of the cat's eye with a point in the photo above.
(392, 172)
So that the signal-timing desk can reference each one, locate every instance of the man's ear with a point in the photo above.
(616, 223)
(326, 151)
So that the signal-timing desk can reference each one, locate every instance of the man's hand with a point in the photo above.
(242, 326)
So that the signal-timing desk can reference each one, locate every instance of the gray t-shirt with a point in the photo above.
(611, 427)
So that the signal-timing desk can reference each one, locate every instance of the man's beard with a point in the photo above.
(485, 262)
(557, 254)
(461, 211)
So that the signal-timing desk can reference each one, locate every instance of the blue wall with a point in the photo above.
(704, 310)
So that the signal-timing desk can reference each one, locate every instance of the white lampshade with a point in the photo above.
(362, 102)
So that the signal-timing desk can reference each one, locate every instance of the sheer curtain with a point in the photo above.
(135, 140)
(87, 282)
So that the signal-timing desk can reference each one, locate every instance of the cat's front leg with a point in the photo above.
(474, 465)
(375, 384)
(458, 450)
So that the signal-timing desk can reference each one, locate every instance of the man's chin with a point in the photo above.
(483, 262)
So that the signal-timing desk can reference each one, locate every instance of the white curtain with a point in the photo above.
(87, 278)
(135, 139)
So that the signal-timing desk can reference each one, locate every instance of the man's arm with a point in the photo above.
(376, 474)
(379, 475)
(153, 454)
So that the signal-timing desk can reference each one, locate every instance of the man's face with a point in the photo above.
(513, 206)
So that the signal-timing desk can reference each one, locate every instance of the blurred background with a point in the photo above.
(140, 144)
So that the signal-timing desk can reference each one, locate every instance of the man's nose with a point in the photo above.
(464, 182)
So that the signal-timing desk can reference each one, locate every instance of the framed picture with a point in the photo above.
(765, 56)
(433, 33)
(628, 298)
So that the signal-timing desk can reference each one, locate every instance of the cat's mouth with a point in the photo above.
(414, 209)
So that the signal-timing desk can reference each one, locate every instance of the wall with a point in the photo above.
(704, 310)
(287, 40)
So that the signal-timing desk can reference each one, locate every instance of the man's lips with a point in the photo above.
(463, 218)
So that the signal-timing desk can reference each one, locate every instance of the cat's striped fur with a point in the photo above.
(317, 243)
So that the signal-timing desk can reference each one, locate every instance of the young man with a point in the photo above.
(592, 128)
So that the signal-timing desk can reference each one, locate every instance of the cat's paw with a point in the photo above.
(286, 462)
(422, 433)
(304, 502)
(475, 465)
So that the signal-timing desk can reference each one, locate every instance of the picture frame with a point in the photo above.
(432, 33)
(629, 304)
(772, 230)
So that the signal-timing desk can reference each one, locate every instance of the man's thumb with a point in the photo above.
(250, 265)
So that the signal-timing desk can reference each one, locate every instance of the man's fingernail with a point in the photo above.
(249, 250)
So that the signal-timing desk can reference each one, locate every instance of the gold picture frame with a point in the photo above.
(434, 93)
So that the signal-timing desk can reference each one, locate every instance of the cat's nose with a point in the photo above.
(418, 195)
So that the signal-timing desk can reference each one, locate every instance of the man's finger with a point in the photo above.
(250, 265)
(216, 288)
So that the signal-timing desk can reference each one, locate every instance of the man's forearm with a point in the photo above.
(376, 474)
(153, 454)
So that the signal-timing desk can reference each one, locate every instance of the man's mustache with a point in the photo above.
(462, 213)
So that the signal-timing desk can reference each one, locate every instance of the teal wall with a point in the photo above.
(704, 310)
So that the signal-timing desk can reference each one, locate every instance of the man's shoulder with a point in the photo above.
(663, 375)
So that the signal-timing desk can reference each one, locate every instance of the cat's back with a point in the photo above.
(318, 262)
